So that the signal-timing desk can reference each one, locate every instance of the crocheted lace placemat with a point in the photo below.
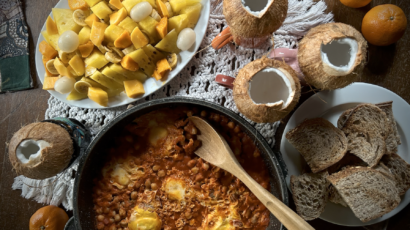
(302, 15)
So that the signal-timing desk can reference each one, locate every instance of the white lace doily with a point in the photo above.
(302, 15)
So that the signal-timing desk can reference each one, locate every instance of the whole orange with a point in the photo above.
(384, 25)
(48, 218)
(355, 3)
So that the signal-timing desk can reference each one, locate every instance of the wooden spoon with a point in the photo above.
(216, 151)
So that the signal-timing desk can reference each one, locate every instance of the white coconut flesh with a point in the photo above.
(340, 55)
(271, 87)
(29, 151)
(256, 7)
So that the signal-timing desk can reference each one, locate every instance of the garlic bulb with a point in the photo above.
(140, 11)
(68, 41)
(186, 39)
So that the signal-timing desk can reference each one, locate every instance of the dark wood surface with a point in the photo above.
(387, 67)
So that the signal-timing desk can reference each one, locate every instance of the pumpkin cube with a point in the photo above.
(102, 10)
(118, 16)
(117, 4)
(47, 50)
(162, 9)
(128, 24)
(78, 65)
(128, 63)
(143, 61)
(157, 76)
(49, 83)
(51, 26)
(105, 81)
(91, 19)
(193, 12)
(169, 43)
(76, 96)
(97, 33)
(64, 20)
(178, 23)
(86, 49)
(134, 88)
(123, 41)
(96, 60)
(112, 33)
(138, 38)
(148, 26)
(162, 27)
(92, 3)
(84, 35)
(98, 95)
(163, 66)
(129, 75)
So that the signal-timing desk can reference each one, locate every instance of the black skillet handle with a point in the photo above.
(70, 224)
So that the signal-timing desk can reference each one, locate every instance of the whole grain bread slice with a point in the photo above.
(335, 197)
(310, 194)
(400, 170)
(319, 142)
(343, 118)
(366, 191)
(393, 137)
(366, 130)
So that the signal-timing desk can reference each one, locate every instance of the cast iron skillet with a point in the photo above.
(91, 163)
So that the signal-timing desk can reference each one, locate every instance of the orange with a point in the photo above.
(384, 25)
(78, 5)
(48, 218)
(355, 3)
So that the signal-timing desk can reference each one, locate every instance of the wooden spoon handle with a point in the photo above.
(285, 215)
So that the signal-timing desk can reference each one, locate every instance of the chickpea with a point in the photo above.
(134, 195)
(131, 185)
(129, 139)
(117, 218)
(137, 185)
(124, 223)
(148, 183)
(100, 225)
(192, 163)
(224, 189)
(99, 210)
(161, 173)
(122, 212)
(199, 177)
(189, 113)
(100, 217)
(231, 125)
(205, 166)
(112, 227)
(154, 186)
(155, 168)
(106, 210)
(203, 113)
(195, 170)
(112, 213)
(119, 228)
(237, 129)
(217, 118)
(111, 220)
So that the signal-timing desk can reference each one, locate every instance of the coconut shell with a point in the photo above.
(315, 71)
(262, 113)
(246, 25)
(54, 158)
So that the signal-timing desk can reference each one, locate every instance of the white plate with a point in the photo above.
(337, 102)
(151, 85)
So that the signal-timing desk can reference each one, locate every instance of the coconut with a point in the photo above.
(40, 150)
(332, 56)
(266, 90)
(251, 21)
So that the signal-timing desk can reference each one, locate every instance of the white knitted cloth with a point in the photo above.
(302, 15)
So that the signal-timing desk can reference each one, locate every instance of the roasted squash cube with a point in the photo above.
(123, 41)
(162, 27)
(96, 60)
(49, 83)
(86, 49)
(138, 38)
(97, 33)
(47, 50)
(134, 88)
(162, 9)
(112, 33)
(98, 95)
(118, 16)
(128, 63)
(163, 66)
(128, 24)
(51, 26)
(64, 20)
(102, 10)
(84, 35)
(78, 65)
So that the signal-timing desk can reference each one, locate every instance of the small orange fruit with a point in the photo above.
(384, 25)
(48, 218)
(355, 3)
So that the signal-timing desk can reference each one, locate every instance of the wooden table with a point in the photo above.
(387, 67)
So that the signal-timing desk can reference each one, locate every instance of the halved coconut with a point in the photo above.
(332, 56)
(266, 90)
(253, 21)
(40, 150)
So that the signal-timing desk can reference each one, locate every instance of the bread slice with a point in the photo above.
(400, 170)
(335, 197)
(348, 160)
(342, 119)
(366, 130)
(320, 143)
(393, 138)
(367, 192)
(310, 194)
